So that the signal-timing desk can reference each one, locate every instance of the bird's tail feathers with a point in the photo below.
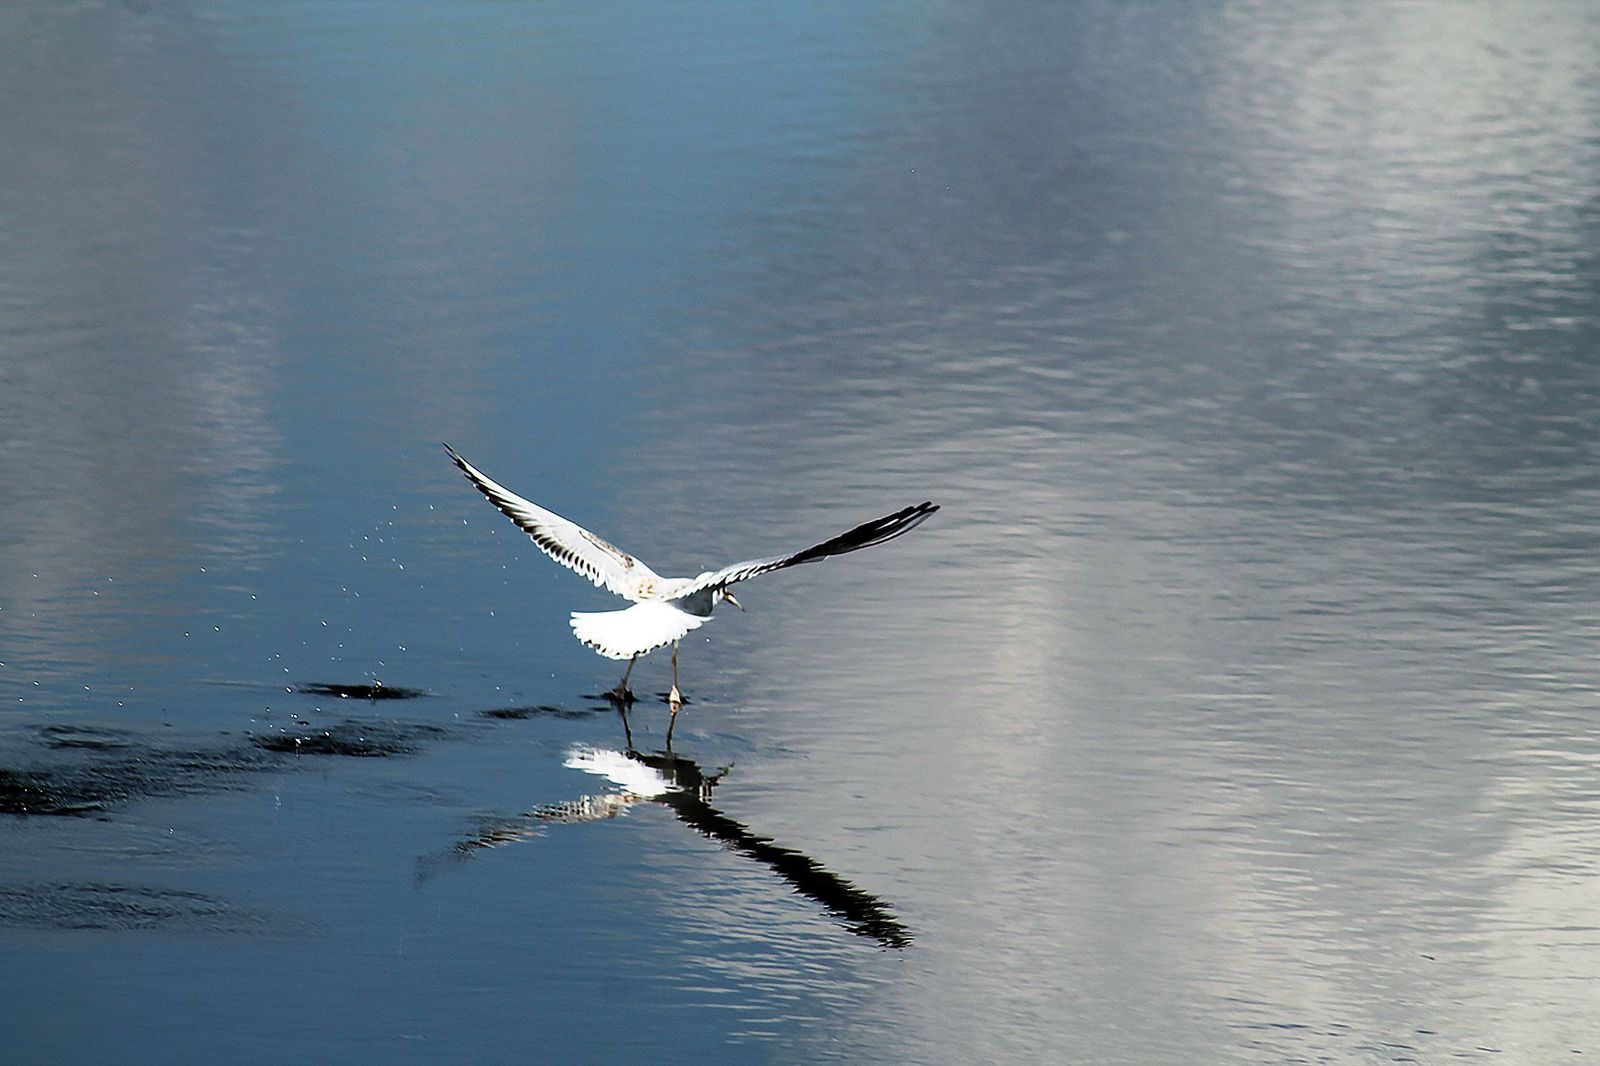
(635, 630)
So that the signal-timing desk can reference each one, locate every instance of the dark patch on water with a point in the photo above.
(92, 738)
(114, 768)
(90, 787)
(543, 710)
(115, 907)
(375, 691)
(42, 792)
(365, 740)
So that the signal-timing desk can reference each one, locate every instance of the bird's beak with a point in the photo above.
(729, 597)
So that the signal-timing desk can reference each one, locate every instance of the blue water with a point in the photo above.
(1240, 704)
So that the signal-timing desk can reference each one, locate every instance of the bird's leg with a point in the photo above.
(627, 733)
(622, 694)
(674, 698)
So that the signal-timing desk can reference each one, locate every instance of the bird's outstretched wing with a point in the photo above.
(878, 531)
(566, 542)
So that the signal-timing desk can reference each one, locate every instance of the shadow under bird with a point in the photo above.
(664, 609)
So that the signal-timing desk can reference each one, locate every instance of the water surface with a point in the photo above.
(1238, 706)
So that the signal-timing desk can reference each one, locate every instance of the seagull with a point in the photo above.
(665, 609)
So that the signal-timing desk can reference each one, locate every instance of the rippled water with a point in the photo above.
(1240, 705)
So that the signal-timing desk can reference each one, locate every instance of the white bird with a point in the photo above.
(664, 609)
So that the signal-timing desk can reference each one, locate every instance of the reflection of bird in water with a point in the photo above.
(683, 788)
(665, 609)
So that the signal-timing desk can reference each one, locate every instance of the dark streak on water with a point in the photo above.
(374, 692)
(350, 739)
(862, 912)
(118, 768)
(543, 710)
(133, 772)
(87, 737)
(123, 907)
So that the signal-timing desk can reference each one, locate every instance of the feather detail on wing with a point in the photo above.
(634, 630)
(878, 531)
(564, 541)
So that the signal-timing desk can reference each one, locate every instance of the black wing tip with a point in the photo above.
(889, 527)
(479, 482)
(910, 516)
(916, 510)
(868, 534)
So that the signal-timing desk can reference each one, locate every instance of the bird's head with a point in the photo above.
(725, 595)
